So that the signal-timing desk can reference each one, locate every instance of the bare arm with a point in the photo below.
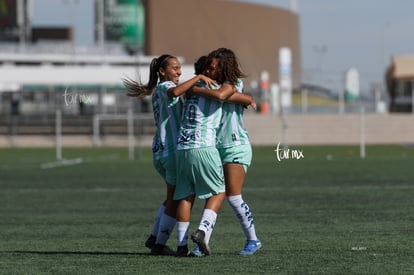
(183, 87)
(239, 98)
(243, 99)
(225, 91)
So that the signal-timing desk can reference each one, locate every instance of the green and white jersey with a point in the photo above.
(167, 116)
(232, 131)
(200, 121)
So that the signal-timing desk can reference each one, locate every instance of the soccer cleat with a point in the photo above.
(182, 251)
(251, 247)
(150, 242)
(199, 238)
(196, 252)
(162, 250)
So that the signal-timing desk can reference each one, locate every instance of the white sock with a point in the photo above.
(166, 227)
(182, 233)
(208, 220)
(244, 215)
(156, 225)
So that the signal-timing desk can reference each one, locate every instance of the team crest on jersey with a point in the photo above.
(188, 137)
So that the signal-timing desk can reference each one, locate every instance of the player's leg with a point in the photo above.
(234, 176)
(184, 194)
(210, 186)
(166, 225)
(183, 223)
(208, 220)
(150, 242)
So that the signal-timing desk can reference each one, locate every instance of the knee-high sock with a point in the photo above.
(182, 233)
(244, 215)
(208, 220)
(155, 226)
(166, 227)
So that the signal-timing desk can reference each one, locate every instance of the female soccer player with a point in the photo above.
(200, 169)
(165, 72)
(234, 146)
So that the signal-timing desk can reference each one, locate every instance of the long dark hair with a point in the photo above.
(137, 89)
(200, 65)
(228, 65)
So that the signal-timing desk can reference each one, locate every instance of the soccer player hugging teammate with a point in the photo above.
(199, 170)
(165, 72)
(197, 147)
(233, 142)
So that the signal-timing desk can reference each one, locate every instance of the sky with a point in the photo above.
(335, 35)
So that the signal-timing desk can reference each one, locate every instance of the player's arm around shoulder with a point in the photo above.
(225, 91)
(243, 99)
(185, 86)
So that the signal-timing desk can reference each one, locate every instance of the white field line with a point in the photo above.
(60, 163)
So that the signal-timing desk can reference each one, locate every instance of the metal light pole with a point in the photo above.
(100, 24)
(23, 22)
(294, 5)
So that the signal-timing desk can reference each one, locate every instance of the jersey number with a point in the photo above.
(192, 110)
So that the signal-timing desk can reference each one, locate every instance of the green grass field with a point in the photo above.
(327, 213)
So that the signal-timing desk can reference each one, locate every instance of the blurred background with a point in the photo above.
(322, 72)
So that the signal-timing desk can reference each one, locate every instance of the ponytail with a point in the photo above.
(136, 88)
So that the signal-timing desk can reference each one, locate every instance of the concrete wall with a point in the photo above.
(331, 129)
(268, 130)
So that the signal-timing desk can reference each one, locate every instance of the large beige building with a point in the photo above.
(191, 28)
